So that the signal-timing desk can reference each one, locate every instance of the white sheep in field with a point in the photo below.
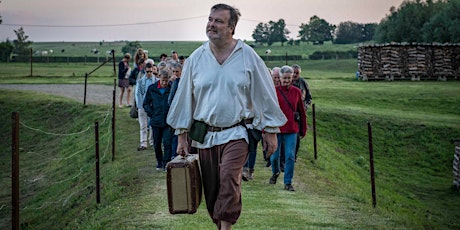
(44, 53)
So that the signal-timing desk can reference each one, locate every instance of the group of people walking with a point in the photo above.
(154, 89)
(225, 103)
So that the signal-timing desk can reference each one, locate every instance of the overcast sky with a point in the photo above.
(169, 20)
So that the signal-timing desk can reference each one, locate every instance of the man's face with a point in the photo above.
(164, 81)
(177, 71)
(217, 27)
(141, 65)
(155, 70)
(296, 74)
(149, 72)
(286, 79)
(276, 77)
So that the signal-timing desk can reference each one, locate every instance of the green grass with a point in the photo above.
(413, 124)
(155, 48)
(413, 172)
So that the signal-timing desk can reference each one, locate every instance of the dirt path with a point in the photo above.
(95, 94)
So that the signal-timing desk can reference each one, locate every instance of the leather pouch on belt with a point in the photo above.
(198, 131)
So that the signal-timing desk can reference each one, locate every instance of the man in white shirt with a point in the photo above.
(224, 84)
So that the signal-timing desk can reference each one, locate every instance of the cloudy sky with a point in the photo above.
(167, 20)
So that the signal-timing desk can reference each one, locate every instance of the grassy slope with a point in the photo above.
(413, 164)
(413, 124)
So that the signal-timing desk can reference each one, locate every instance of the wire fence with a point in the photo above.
(67, 173)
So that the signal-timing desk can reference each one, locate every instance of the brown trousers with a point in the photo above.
(221, 168)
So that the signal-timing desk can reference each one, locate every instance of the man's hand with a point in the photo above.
(270, 143)
(182, 144)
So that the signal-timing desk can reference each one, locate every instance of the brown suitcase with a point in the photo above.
(183, 180)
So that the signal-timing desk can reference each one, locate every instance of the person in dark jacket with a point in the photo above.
(156, 106)
(177, 72)
(302, 84)
(123, 74)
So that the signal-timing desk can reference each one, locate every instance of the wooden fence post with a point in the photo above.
(98, 184)
(371, 161)
(113, 118)
(31, 61)
(113, 104)
(314, 131)
(86, 85)
(15, 172)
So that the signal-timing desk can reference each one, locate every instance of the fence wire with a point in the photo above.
(37, 173)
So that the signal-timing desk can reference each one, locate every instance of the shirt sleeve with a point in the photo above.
(173, 91)
(180, 115)
(137, 94)
(267, 113)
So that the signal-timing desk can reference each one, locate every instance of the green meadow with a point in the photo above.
(414, 124)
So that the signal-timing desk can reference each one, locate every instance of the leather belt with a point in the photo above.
(218, 129)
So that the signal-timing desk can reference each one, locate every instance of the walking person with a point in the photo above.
(290, 101)
(156, 106)
(248, 169)
(299, 82)
(177, 72)
(141, 90)
(123, 79)
(221, 90)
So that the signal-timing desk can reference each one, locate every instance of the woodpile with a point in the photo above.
(414, 61)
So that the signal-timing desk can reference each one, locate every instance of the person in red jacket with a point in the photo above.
(290, 101)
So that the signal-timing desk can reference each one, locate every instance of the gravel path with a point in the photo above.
(95, 94)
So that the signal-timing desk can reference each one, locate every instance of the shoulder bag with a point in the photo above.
(296, 114)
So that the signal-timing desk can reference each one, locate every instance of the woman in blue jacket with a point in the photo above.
(156, 106)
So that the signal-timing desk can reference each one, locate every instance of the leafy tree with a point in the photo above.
(260, 33)
(348, 32)
(21, 44)
(445, 25)
(279, 31)
(271, 32)
(368, 31)
(6, 48)
(131, 47)
(411, 22)
(317, 30)
(352, 32)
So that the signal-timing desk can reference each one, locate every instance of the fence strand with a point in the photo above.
(55, 134)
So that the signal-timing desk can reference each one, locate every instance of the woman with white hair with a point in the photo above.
(290, 101)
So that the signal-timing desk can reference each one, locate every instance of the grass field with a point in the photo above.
(81, 49)
(413, 124)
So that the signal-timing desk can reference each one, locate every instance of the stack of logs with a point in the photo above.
(415, 61)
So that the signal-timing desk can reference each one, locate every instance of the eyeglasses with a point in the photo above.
(149, 71)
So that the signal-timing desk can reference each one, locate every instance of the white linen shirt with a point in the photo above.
(223, 95)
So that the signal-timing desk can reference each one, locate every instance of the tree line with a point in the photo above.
(414, 21)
